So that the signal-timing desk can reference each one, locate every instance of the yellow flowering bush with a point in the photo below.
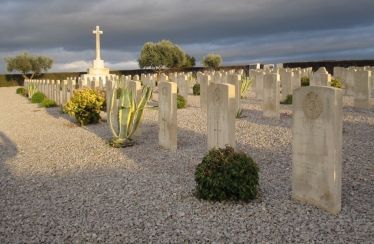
(85, 105)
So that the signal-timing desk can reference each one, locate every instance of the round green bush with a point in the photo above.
(335, 83)
(38, 97)
(196, 89)
(22, 91)
(288, 99)
(181, 101)
(85, 105)
(305, 81)
(48, 103)
(227, 175)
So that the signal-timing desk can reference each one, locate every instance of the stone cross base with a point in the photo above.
(98, 63)
(98, 71)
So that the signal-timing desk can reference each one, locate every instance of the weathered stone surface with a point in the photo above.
(349, 81)
(287, 84)
(259, 83)
(362, 91)
(320, 78)
(221, 116)
(184, 86)
(167, 115)
(271, 96)
(236, 81)
(317, 147)
(205, 82)
(296, 81)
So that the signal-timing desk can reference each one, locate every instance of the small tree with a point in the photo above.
(190, 61)
(161, 56)
(25, 63)
(212, 60)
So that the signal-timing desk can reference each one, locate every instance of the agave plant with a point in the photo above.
(246, 84)
(129, 117)
(32, 89)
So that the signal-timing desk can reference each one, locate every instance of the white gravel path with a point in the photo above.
(60, 183)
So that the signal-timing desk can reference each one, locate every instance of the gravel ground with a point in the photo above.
(61, 183)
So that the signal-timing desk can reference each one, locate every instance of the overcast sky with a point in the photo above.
(241, 31)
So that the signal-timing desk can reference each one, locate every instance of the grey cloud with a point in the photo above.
(241, 31)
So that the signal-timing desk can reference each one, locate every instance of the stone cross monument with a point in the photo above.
(97, 32)
(98, 71)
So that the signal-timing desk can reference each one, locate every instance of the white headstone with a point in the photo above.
(287, 84)
(362, 91)
(320, 78)
(64, 92)
(349, 81)
(205, 82)
(163, 78)
(271, 96)
(221, 116)
(167, 115)
(296, 81)
(235, 80)
(184, 86)
(317, 146)
(259, 84)
(58, 93)
(217, 78)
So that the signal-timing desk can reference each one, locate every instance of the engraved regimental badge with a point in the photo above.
(164, 93)
(312, 105)
(217, 97)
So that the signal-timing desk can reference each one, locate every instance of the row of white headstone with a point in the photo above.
(317, 131)
(275, 85)
(316, 142)
(289, 79)
(221, 110)
(61, 91)
(217, 77)
(357, 81)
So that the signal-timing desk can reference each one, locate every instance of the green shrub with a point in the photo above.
(304, 81)
(239, 114)
(288, 99)
(38, 97)
(85, 105)
(22, 91)
(48, 103)
(245, 85)
(181, 101)
(196, 89)
(335, 83)
(224, 174)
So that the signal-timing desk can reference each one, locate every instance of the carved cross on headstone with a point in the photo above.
(164, 123)
(217, 130)
(97, 32)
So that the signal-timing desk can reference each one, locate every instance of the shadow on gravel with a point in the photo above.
(250, 115)
(115, 205)
(7, 149)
